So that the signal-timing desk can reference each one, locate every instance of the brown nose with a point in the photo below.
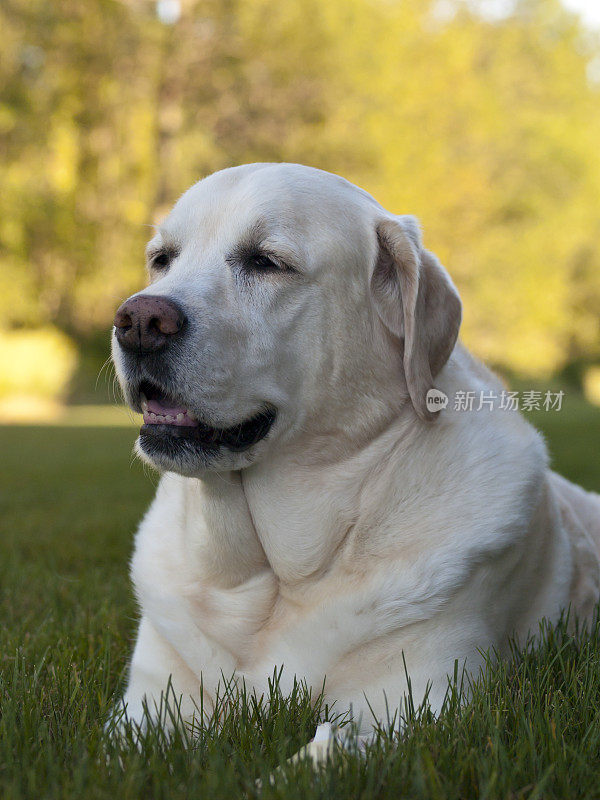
(146, 323)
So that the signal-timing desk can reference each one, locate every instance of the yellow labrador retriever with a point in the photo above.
(317, 509)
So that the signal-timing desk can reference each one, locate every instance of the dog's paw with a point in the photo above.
(317, 750)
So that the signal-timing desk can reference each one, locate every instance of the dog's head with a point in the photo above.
(283, 302)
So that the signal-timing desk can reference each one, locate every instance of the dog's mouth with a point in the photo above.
(166, 419)
(160, 409)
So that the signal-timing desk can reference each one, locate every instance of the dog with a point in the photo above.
(321, 508)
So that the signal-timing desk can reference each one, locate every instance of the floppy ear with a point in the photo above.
(417, 302)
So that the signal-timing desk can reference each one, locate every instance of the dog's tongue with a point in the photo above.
(158, 408)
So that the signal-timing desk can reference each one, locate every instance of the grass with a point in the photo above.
(70, 498)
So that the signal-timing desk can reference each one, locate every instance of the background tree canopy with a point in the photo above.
(485, 127)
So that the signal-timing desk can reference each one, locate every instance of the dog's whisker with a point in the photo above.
(106, 368)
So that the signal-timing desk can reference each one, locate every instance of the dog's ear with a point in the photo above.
(417, 302)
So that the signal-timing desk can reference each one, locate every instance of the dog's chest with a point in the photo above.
(249, 623)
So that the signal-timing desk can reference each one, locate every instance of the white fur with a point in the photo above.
(356, 533)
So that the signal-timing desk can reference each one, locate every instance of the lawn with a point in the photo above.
(70, 498)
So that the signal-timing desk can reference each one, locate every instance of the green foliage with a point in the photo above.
(41, 358)
(487, 129)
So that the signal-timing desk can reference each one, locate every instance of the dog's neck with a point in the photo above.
(291, 513)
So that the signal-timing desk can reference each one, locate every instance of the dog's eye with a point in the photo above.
(261, 262)
(161, 260)
(252, 261)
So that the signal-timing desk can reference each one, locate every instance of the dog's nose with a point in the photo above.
(146, 323)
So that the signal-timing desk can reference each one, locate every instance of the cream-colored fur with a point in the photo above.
(363, 531)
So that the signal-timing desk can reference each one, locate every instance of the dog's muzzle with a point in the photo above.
(146, 327)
